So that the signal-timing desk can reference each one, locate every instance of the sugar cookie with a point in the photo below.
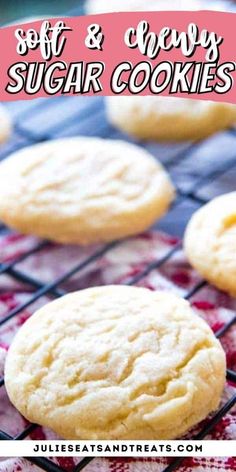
(83, 190)
(169, 118)
(165, 118)
(210, 242)
(5, 124)
(116, 362)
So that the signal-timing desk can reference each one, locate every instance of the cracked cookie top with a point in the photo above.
(83, 190)
(116, 362)
(210, 242)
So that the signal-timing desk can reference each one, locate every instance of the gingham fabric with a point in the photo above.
(126, 260)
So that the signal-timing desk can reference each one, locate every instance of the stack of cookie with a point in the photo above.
(5, 125)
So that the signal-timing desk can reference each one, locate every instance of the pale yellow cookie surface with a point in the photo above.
(116, 362)
(210, 242)
(5, 124)
(83, 190)
(169, 118)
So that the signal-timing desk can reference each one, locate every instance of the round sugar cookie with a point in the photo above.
(83, 190)
(109, 6)
(169, 118)
(166, 118)
(116, 362)
(5, 124)
(163, 118)
(210, 242)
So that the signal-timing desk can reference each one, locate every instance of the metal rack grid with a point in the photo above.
(44, 119)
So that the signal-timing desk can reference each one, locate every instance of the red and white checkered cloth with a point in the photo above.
(124, 261)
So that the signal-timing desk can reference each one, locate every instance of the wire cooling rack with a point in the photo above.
(45, 119)
(200, 171)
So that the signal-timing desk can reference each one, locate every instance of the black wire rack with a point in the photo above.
(200, 171)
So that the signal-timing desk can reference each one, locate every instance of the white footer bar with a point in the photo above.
(55, 448)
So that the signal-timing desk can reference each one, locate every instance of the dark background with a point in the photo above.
(12, 10)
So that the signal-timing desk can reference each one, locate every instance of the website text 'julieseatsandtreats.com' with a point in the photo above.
(118, 448)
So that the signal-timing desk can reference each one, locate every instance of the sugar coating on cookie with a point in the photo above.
(5, 124)
(83, 190)
(116, 362)
(210, 242)
(169, 118)
(108, 6)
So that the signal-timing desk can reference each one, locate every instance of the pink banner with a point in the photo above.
(188, 54)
